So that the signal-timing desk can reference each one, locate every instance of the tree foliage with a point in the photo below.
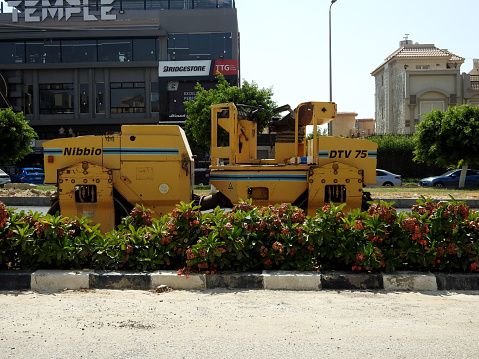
(448, 138)
(395, 154)
(198, 122)
(15, 136)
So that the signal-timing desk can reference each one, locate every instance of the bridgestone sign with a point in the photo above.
(40, 10)
(184, 68)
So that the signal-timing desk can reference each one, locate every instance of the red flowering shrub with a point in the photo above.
(433, 237)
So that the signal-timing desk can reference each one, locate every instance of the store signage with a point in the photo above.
(226, 67)
(184, 68)
(40, 10)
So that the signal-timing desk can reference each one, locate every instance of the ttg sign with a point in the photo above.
(39, 10)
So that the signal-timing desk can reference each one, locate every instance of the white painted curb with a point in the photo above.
(55, 280)
(284, 280)
(410, 281)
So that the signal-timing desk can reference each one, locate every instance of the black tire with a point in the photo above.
(439, 184)
(388, 184)
(366, 198)
(122, 209)
(55, 208)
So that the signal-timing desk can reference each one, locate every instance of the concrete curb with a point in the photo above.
(57, 280)
(26, 201)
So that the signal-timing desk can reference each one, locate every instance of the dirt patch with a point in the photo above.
(15, 192)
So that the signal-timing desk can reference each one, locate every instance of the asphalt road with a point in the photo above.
(238, 324)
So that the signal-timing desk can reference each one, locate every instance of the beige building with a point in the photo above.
(347, 125)
(417, 78)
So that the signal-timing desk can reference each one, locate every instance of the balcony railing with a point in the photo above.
(474, 83)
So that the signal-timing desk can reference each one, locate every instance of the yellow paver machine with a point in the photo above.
(308, 174)
(103, 177)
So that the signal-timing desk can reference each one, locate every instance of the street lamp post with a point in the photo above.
(330, 127)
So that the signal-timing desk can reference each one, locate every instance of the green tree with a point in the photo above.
(198, 122)
(449, 138)
(15, 136)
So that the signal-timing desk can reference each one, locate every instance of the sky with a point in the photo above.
(285, 44)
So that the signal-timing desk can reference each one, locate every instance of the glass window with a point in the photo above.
(145, 50)
(52, 52)
(200, 46)
(205, 4)
(225, 4)
(157, 5)
(100, 97)
(94, 5)
(115, 50)
(28, 99)
(12, 52)
(34, 52)
(221, 46)
(181, 4)
(44, 52)
(84, 99)
(56, 98)
(127, 97)
(178, 48)
(79, 51)
(155, 100)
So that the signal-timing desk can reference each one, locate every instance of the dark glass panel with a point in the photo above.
(115, 50)
(155, 102)
(181, 4)
(127, 97)
(56, 98)
(79, 51)
(100, 98)
(84, 98)
(145, 50)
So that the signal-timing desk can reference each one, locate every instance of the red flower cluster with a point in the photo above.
(3, 215)
(384, 213)
(141, 215)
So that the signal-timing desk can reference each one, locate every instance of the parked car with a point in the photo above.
(29, 175)
(451, 179)
(4, 178)
(386, 178)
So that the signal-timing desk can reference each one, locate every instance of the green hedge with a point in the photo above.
(433, 237)
(395, 154)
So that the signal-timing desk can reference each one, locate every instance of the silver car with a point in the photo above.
(386, 178)
(4, 178)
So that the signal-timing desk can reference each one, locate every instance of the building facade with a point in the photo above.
(347, 125)
(87, 67)
(416, 79)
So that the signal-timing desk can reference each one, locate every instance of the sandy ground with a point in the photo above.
(238, 324)
(24, 193)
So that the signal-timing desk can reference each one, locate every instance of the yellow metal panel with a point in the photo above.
(86, 190)
(111, 151)
(64, 152)
(247, 151)
(334, 182)
(360, 154)
(157, 185)
(280, 185)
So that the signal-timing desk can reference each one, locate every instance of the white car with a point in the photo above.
(386, 178)
(4, 178)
